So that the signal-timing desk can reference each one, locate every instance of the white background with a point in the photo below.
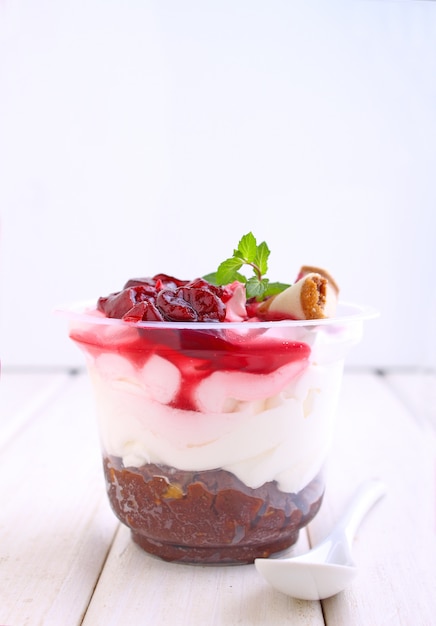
(143, 136)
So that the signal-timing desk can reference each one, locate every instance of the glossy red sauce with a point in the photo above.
(197, 353)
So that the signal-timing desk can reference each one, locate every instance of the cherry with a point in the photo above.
(116, 304)
(147, 283)
(202, 283)
(119, 303)
(206, 304)
(170, 282)
(158, 282)
(143, 311)
(174, 307)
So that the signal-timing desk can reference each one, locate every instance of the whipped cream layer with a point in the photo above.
(283, 437)
(270, 426)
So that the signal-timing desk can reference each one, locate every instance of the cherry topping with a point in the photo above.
(167, 298)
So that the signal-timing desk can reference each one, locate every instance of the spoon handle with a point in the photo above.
(363, 500)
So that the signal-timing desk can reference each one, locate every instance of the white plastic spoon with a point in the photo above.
(329, 567)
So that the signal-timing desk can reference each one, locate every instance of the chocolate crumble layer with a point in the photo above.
(208, 516)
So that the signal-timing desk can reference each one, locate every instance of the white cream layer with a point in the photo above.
(259, 427)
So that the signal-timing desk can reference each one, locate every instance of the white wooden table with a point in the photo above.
(65, 560)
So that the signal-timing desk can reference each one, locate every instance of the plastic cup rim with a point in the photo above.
(85, 312)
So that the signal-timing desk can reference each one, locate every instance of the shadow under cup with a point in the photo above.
(214, 435)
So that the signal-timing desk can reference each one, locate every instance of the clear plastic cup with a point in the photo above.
(214, 435)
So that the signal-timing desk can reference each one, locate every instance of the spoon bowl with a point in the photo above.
(328, 568)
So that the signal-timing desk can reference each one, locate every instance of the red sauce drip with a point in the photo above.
(197, 353)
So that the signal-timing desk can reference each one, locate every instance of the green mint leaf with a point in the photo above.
(256, 258)
(247, 248)
(273, 289)
(255, 288)
(261, 257)
(211, 278)
(240, 277)
(227, 271)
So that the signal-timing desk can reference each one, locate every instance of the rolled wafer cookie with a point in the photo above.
(313, 296)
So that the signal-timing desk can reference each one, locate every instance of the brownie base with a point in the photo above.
(209, 516)
(236, 554)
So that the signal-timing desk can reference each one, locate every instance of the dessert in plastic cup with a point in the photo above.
(216, 411)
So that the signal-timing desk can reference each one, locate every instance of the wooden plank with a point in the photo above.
(22, 396)
(417, 390)
(396, 545)
(138, 589)
(55, 522)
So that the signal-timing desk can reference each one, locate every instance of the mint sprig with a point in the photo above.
(255, 256)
